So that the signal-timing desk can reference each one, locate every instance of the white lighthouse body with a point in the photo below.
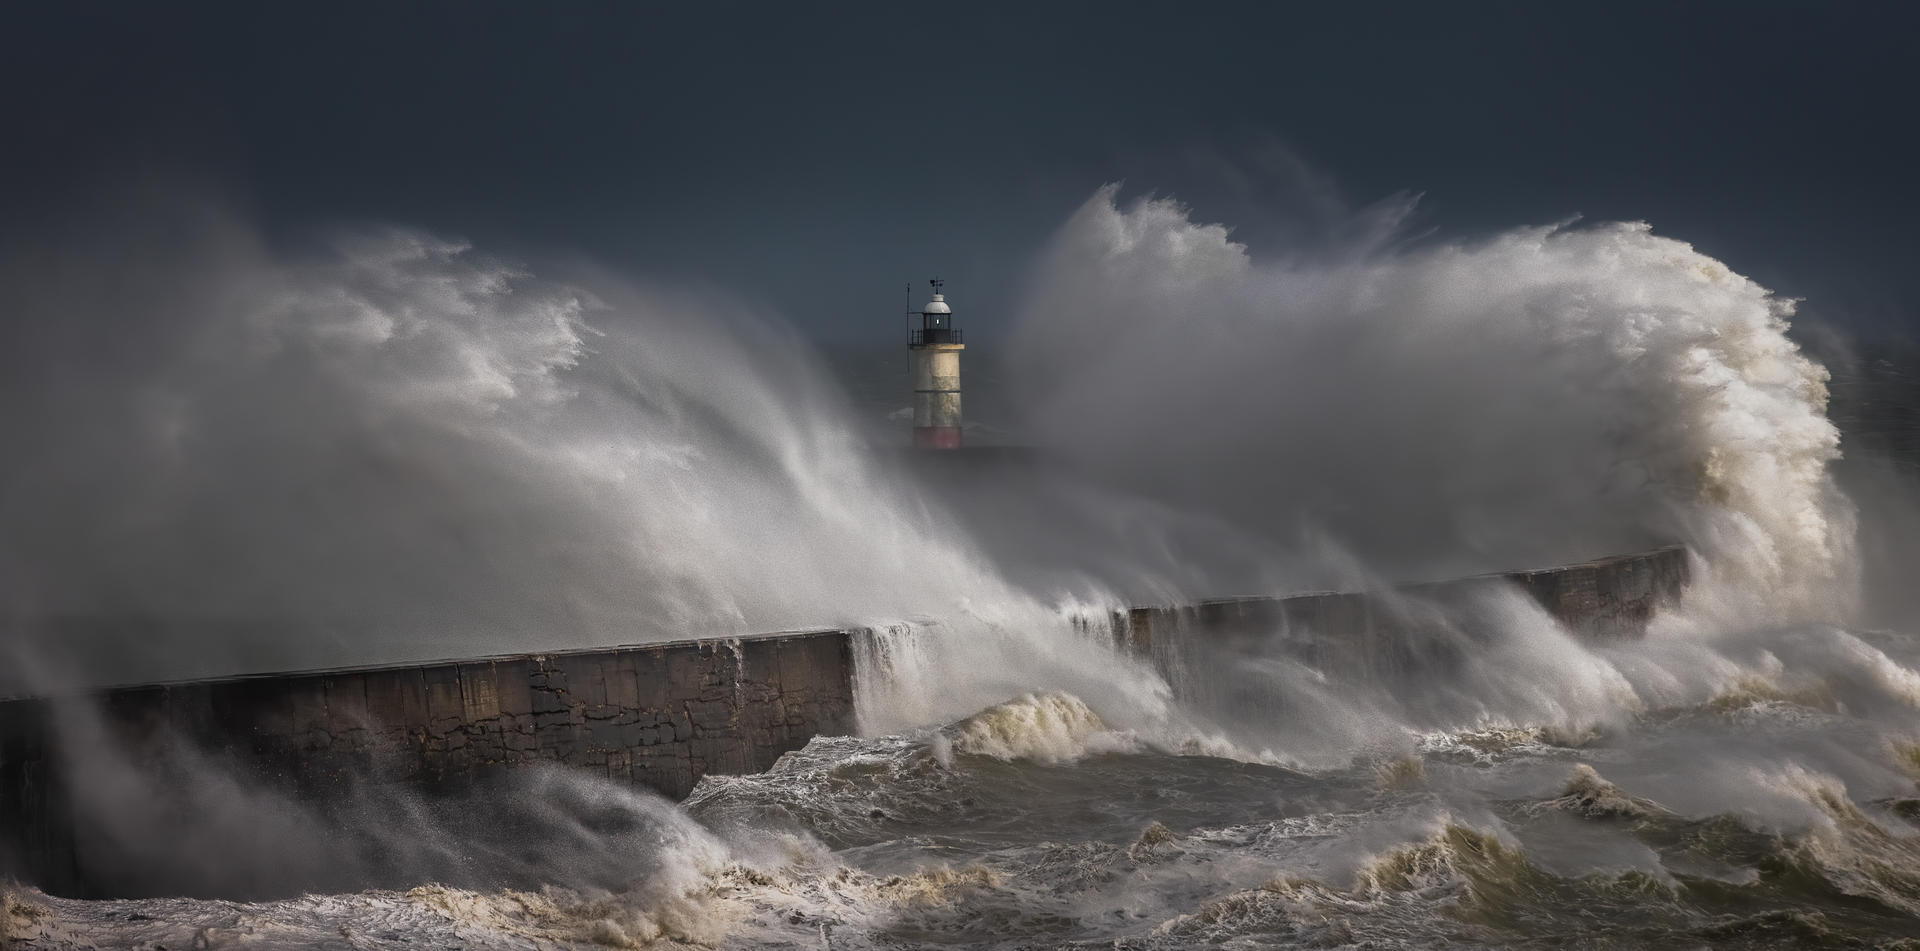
(935, 349)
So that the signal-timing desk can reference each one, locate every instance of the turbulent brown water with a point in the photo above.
(1769, 812)
(1744, 776)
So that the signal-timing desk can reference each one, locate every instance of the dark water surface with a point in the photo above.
(1776, 811)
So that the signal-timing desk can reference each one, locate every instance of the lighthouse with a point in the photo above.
(935, 349)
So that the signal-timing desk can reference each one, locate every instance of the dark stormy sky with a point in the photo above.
(819, 156)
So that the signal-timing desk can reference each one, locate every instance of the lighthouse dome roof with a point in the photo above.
(938, 305)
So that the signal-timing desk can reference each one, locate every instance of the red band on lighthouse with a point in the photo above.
(936, 437)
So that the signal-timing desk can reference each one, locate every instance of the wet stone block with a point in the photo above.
(445, 707)
(581, 680)
(479, 692)
(710, 716)
(621, 684)
(308, 701)
(651, 679)
(252, 713)
(346, 701)
(687, 671)
(607, 735)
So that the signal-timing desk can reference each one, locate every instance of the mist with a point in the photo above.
(1434, 407)
(378, 444)
(381, 445)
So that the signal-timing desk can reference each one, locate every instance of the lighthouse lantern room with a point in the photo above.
(935, 350)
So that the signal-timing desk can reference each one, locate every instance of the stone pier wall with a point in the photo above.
(661, 716)
(1383, 631)
(657, 716)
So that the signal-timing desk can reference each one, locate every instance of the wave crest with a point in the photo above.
(1047, 727)
(1562, 391)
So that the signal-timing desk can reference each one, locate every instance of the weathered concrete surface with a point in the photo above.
(1383, 631)
(661, 716)
(658, 716)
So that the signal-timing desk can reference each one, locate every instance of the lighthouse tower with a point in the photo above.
(935, 348)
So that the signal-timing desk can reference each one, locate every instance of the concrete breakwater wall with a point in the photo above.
(658, 716)
(1410, 626)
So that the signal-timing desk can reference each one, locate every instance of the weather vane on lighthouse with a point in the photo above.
(935, 348)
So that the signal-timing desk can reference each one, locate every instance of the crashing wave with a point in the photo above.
(1594, 385)
(1045, 727)
(1587, 794)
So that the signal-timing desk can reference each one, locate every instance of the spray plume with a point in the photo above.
(396, 447)
(1546, 394)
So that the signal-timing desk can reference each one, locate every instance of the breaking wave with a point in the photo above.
(1048, 728)
(1546, 394)
(446, 445)
(393, 445)
(988, 830)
